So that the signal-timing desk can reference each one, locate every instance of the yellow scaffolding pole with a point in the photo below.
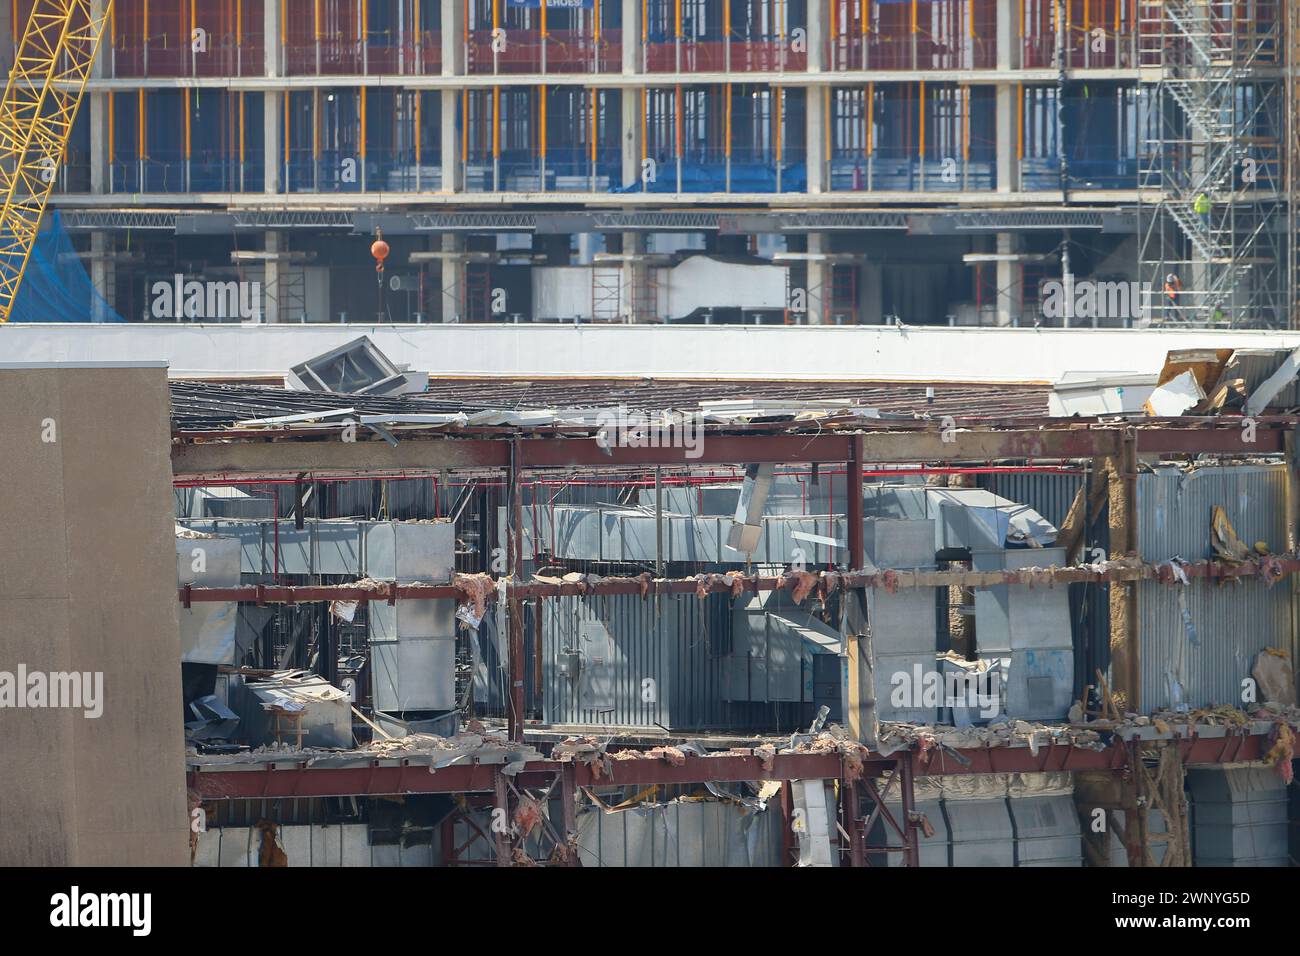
(52, 62)
(287, 132)
(677, 122)
(777, 113)
(419, 133)
(920, 103)
(541, 119)
(871, 118)
(727, 139)
(361, 144)
(496, 122)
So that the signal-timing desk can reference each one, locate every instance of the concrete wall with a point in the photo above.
(87, 583)
(738, 352)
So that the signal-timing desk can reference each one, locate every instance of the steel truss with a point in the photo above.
(51, 65)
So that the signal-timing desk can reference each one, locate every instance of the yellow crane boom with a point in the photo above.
(52, 62)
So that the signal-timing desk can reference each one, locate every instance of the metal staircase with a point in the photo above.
(1213, 127)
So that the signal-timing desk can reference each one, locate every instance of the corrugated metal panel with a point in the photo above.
(677, 642)
(681, 833)
(1204, 637)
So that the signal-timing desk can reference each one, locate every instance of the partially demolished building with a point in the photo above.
(825, 633)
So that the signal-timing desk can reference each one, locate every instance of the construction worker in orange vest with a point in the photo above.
(1173, 286)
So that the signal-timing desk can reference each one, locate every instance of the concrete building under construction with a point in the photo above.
(922, 161)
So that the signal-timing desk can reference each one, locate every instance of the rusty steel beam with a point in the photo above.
(1055, 756)
(289, 458)
(289, 778)
(279, 780)
(1267, 568)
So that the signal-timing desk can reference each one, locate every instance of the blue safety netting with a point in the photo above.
(56, 287)
(712, 178)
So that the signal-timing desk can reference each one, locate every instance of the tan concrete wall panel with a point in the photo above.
(87, 583)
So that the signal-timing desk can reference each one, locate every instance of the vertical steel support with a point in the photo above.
(501, 819)
(569, 797)
(852, 821)
(857, 555)
(659, 522)
(912, 851)
(787, 823)
(514, 606)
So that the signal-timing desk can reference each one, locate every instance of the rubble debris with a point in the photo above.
(799, 583)
(271, 853)
(672, 755)
(1275, 677)
(1223, 537)
(527, 817)
(476, 588)
(1282, 752)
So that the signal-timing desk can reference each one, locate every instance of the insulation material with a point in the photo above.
(1175, 397)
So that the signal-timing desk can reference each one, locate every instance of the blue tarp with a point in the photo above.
(56, 287)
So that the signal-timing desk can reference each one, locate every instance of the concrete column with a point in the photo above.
(1008, 161)
(633, 147)
(103, 273)
(274, 55)
(632, 52)
(1008, 59)
(636, 305)
(453, 37)
(273, 140)
(871, 298)
(819, 280)
(272, 285)
(1008, 35)
(452, 173)
(453, 278)
(99, 157)
(633, 64)
(816, 35)
(1011, 277)
(818, 161)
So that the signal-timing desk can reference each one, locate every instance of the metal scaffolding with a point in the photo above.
(1212, 199)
